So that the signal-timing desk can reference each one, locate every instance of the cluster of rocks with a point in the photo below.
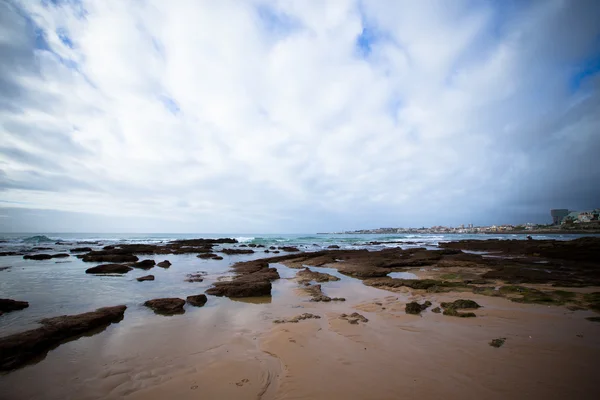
(452, 309)
(174, 305)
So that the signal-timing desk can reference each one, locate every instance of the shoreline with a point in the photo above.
(234, 347)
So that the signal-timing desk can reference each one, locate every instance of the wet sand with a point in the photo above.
(233, 350)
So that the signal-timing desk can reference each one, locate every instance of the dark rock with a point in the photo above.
(166, 306)
(317, 294)
(436, 310)
(203, 242)
(276, 251)
(109, 269)
(217, 258)
(81, 250)
(289, 249)
(18, 349)
(144, 264)
(243, 245)
(206, 255)
(4, 268)
(241, 288)
(197, 300)
(37, 257)
(10, 253)
(110, 258)
(354, 318)
(237, 251)
(145, 278)
(296, 319)
(252, 245)
(8, 305)
(461, 304)
(164, 264)
(272, 248)
(416, 308)
(306, 275)
(362, 271)
(194, 278)
(497, 342)
(333, 246)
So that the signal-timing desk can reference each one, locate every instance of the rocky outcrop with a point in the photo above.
(8, 305)
(307, 275)
(109, 269)
(81, 250)
(144, 264)
(145, 278)
(18, 349)
(333, 246)
(39, 257)
(416, 308)
(166, 306)
(198, 300)
(164, 264)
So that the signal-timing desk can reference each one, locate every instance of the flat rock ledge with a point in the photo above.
(18, 349)
(253, 279)
(8, 305)
(166, 306)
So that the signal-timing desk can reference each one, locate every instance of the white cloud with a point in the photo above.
(267, 116)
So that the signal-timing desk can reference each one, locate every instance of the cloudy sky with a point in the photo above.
(295, 116)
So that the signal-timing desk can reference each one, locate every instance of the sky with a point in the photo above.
(295, 116)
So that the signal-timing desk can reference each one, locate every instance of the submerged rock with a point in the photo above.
(109, 269)
(144, 264)
(237, 251)
(166, 306)
(296, 319)
(241, 288)
(110, 258)
(8, 305)
(198, 300)
(145, 278)
(497, 342)
(194, 278)
(217, 258)
(16, 350)
(44, 256)
(164, 264)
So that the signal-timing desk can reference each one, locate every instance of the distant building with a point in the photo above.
(558, 215)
